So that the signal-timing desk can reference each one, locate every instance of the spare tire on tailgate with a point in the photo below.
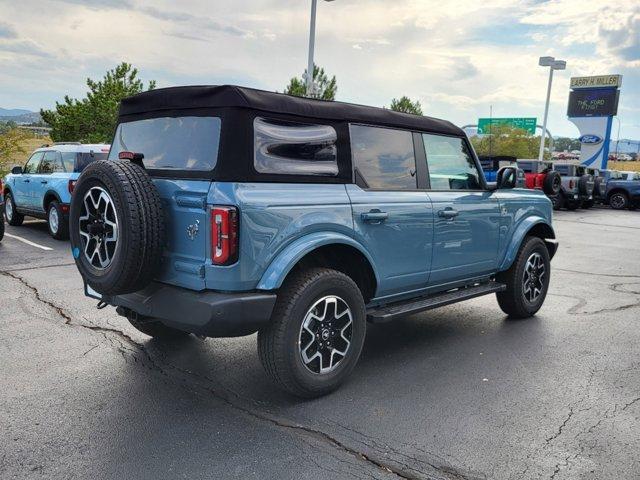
(599, 186)
(116, 227)
(552, 183)
(585, 184)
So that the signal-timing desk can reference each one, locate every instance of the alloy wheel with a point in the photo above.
(325, 335)
(534, 277)
(98, 226)
(54, 221)
(8, 208)
(618, 201)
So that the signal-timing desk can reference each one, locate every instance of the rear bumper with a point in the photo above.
(208, 313)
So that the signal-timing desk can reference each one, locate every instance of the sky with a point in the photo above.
(458, 58)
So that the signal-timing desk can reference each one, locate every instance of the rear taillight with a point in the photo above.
(72, 185)
(224, 235)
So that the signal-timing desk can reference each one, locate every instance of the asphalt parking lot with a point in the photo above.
(456, 393)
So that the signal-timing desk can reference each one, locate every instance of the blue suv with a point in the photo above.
(623, 190)
(225, 211)
(43, 187)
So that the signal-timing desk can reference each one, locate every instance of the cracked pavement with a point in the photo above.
(456, 393)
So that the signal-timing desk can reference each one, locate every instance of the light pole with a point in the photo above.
(553, 64)
(312, 41)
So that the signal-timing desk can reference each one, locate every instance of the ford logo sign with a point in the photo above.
(590, 139)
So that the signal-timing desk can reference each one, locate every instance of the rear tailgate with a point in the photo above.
(186, 231)
(179, 152)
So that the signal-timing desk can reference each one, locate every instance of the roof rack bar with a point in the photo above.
(67, 143)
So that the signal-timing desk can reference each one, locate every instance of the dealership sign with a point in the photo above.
(597, 81)
(527, 124)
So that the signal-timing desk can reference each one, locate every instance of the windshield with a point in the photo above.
(171, 143)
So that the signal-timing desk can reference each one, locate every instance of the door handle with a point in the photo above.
(374, 216)
(44, 181)
(448, 213)
(26, 180)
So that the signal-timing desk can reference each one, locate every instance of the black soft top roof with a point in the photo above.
(231, 96)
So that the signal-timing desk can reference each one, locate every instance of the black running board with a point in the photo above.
(398, 309)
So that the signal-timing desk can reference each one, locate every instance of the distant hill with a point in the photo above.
(18, 115)
(13, 112)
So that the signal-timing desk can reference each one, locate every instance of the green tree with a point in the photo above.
(562, 144)
(406, 105)
(504, 140)
(326, 88)
(93, 118)
(11, 145)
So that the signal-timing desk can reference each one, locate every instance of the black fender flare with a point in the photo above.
(47, 195)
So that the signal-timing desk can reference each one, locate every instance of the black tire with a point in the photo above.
(1, 226)
(279, 343)
(14, 218)
(134, 256)
(618, 200)
(552, 183)
(599, 187)
(585, 185)
(557, 201)
(572, 204)
(58, 228)
(155, 328)
(513, 301)
(587, 204)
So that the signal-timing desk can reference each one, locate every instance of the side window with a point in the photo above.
(294, 148)
(383, 158)
(32, 164)
(69, 160)
(451, 165)
(51, 163)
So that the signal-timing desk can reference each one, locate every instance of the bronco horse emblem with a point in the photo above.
(192, 230)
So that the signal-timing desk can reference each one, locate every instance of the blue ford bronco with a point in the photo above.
(43, 187)
(225, 211)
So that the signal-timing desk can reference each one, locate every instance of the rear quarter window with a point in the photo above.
(78, 161)
(171, 143)
(294, 148)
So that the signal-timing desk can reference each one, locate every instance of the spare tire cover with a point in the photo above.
(116, 227)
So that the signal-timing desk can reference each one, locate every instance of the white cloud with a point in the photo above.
(456, 57)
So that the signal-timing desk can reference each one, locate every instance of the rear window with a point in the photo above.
(171, 143)
(77, 161)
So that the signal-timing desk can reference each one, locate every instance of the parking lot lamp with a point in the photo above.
(312, 41)
(553, 64)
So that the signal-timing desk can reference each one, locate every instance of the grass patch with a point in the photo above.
(624, 166)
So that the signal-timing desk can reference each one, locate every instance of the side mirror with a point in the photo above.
(507, 177)
(16, 170)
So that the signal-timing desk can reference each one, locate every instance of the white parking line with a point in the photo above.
(28, 242)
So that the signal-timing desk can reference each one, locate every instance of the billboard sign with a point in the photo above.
(527, 124)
